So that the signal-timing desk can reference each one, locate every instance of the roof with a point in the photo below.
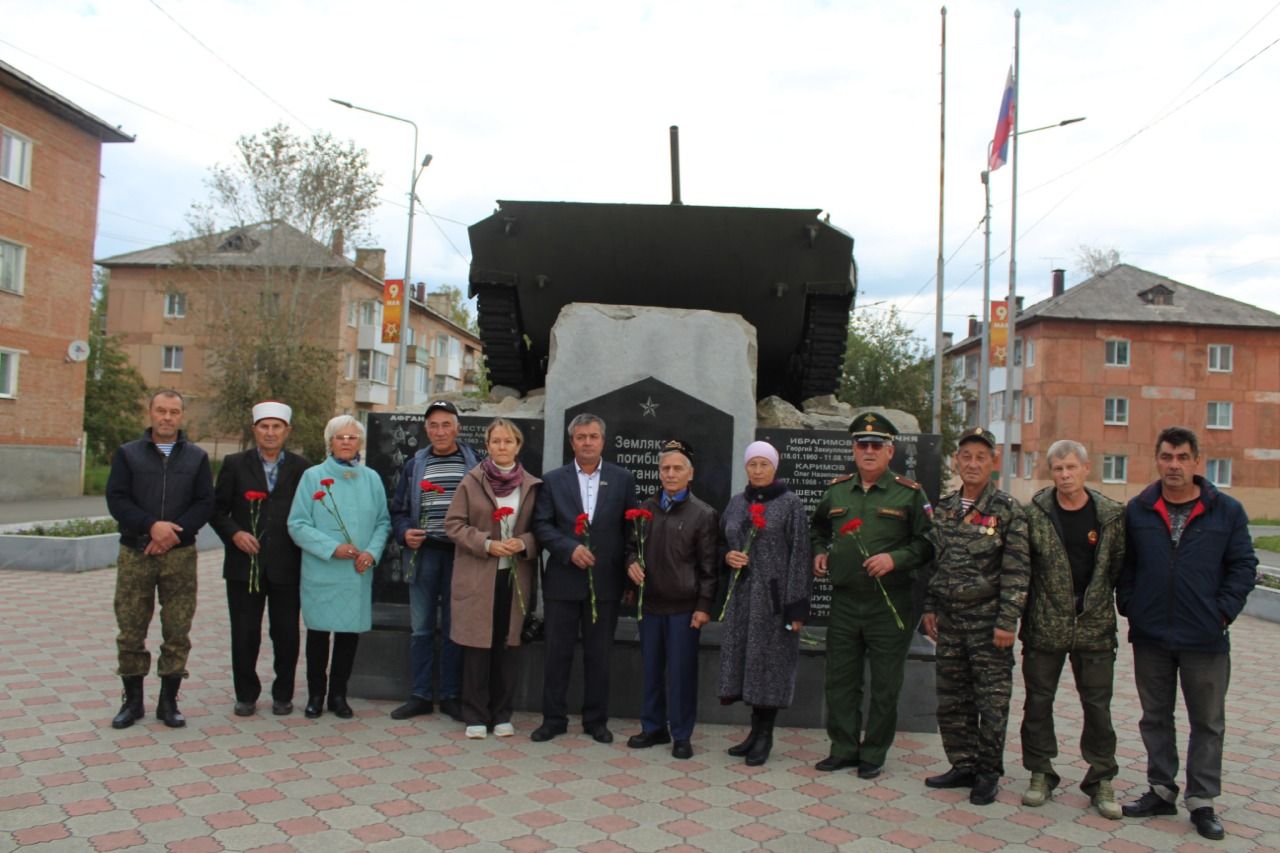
(51, 101)
(262, 244)
(1127, 294)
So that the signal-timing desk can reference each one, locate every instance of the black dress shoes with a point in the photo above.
(1207, 823)
(315, 707)
(451, 708)
(985, 788)
(682, 749)
(953, 778)
(245, 709)
(339, 706)
(281, 707)
(1149, 804)
(834, 762)
(415, 707)
(600, 733)
(644, 740)
(546, 732)
(867, 770)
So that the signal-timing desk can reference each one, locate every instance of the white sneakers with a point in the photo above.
(504, 730)
(477, 732)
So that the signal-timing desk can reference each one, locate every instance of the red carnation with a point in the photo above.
(319, 496)
(428, 486)
(851, 526)
(326, 482)
(255, 496)
(580, 525)
(502, 512)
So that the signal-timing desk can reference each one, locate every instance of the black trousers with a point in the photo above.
(564, 622)
(488, 679)
(245, 608)
(344, 657)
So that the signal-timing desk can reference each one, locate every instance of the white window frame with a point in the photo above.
(374, 366)
(1110, 360)
(352, 313)
(1216, 353)
(175, 305)
(1110, 462)
(351, 366)
(1116, 417)
(1030, 352)
(1028, 410)
(1028, 465)
(9, 369)
(171, 355)
(9, 141)
(1213, 472)
(995, 406)
(1218, 407)
(19, 253)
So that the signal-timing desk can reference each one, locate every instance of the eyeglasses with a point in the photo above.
(346, 438)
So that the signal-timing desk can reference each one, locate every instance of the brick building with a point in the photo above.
(168, 302)
(50, 155)
(1115, 359)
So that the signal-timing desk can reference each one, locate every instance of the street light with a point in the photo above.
(402, 360)
(984, 362)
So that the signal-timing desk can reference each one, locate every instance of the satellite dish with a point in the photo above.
(77, 351)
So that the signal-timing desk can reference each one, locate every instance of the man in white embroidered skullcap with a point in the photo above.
(261, 565)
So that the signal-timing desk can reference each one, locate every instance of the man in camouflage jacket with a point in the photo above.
(974, 600)
(1077, 552)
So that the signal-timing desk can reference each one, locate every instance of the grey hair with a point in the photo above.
(1064, 447)
(585, 419)
(341, 422)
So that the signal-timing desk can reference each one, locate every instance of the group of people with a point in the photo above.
(302, 539)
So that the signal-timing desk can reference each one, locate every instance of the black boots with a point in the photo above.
(167, 708)
(132, 709)
(759, 752)
(745, 747)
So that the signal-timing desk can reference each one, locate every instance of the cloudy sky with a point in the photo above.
(831, 105)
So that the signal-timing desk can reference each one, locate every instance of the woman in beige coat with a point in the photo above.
(489, 524)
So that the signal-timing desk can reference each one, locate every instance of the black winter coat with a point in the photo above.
(279, 559)
(145, 486)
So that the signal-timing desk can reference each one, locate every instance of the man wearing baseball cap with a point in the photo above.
(971, 610)
(423, 494)
(260, 565)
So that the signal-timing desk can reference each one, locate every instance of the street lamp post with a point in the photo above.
(402, 361)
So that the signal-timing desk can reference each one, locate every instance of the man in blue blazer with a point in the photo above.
(603, 492)
(266, 469)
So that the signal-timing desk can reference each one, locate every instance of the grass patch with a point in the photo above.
(1269, 581)
(1267, 522)
(1267, 543)
(71, 528)
(95, 476)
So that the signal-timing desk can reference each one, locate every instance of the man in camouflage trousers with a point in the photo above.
(160, 492)
(971, 610)
(1077, 552)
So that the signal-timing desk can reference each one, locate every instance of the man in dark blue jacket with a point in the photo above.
(582, 585)
(160, 491)
(1188, 569)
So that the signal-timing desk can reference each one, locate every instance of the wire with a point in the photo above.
(231, 67)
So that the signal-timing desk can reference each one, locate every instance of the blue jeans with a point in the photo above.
(669, 651)
(429, 607)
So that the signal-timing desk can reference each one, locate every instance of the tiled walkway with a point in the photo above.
(68, 781)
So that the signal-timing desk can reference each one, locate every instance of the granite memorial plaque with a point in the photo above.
(810, 459)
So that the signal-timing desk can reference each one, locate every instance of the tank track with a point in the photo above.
(505, 353)
(821, 356)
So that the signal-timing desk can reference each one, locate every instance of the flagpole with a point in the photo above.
(942, 157)
(1006, 454)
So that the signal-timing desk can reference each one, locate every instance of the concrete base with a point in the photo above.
(382, 672)
(73, 553)
(32, 472)
(1264, 603)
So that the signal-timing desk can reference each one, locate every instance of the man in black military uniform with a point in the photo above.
(971, 610)
(872, 570)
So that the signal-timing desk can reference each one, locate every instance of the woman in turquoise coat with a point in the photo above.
(339, 519)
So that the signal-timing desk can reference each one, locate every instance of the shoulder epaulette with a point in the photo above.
(903, 481)
(840, 479)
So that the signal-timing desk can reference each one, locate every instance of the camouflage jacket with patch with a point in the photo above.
(980, 555)
(1051, 623)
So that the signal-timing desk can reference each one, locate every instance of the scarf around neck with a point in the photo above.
(502, 482)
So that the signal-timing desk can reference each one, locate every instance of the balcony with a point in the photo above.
(369, 336)
(371, 392)
(415, 354)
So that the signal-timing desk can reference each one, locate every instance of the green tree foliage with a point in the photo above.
(459, 311)
(114, 391)
(885, 365)
(264, 315)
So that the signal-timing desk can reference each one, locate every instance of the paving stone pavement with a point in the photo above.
(69, 782)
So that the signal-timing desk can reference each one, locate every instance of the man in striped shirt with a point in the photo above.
(422, 497)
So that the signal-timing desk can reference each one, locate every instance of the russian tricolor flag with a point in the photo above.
(1004, 127)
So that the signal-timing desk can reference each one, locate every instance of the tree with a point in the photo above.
(265, 303)
(1094, 260)
(114, 391)
(459, 311)
(885, 365)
